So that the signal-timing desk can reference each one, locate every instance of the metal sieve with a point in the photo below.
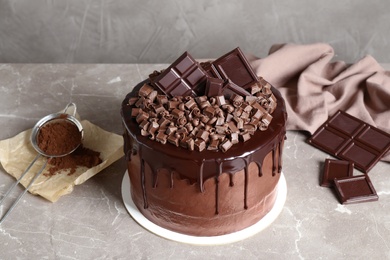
(33, 138)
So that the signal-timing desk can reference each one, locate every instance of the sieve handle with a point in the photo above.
(24, 192)
(71, 104)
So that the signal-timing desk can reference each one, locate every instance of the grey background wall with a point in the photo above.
(131, 31)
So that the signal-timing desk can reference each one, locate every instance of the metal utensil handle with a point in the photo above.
(24, 192)
(20, 178)
(71, 104)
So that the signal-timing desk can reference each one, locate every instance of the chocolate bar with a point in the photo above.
(355, 189)
(235, 67)
(335, 169)
(349, 138)
(185, 77)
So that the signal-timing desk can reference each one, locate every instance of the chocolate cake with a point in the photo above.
(203, 145)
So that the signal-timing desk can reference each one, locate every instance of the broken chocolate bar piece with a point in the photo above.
(214, 87)
(230, 88)
(185, 77)
(355, 189)
(234, 66)
(351, 139)
(335, 169)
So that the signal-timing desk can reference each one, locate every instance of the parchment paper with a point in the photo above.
(17, 153)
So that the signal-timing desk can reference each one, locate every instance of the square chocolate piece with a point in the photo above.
(185, 77)
(234, 66)
(335, 169)
(349, 138)
(355, 189)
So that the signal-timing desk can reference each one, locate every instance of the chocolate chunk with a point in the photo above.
(234, 66)
(185, 77)
(355, 189)
(335, 169)
(214, 87)
(351, 139)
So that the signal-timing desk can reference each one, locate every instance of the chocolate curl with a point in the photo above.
(181, 121)
(163, 122)
(144, 125)
(214, 144)
(161, 137)
(132, 100)
(234, 139)
(145, 90)
(159, 108)
(190, 104)
(236, 100)
(239, 123)
(225, 145)
(135, 111)
(140, 102)
(141, 116)
(173, 139)
(200, 145)
(173, 104)
(200, 99)
(233, 128)
(152, 95)
(220, 100)
(244, 136)
(203, 134)
(162, 99)
(209, 111)
(190, 144)
(255, 88)
(176, 113)
(171, 129)
(196, 112)
(249, 128)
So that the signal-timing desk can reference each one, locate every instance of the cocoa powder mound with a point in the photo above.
(58, 137)
(82, 156)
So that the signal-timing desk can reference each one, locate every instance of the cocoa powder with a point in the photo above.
(82, 156)
(58, 137)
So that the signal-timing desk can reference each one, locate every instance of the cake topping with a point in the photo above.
(209, 106)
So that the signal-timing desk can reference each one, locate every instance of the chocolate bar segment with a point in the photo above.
(335, 169)
(184, 77)
(355, 189)
(349, 138)
(234, 66)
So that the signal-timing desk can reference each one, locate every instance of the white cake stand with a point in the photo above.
(213, 240)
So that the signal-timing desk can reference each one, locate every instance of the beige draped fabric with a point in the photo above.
(315, 85)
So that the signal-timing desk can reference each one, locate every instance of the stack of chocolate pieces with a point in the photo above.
(204, 106)
(357, 145)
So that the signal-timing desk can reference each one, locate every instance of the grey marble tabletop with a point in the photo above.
(92, 221)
